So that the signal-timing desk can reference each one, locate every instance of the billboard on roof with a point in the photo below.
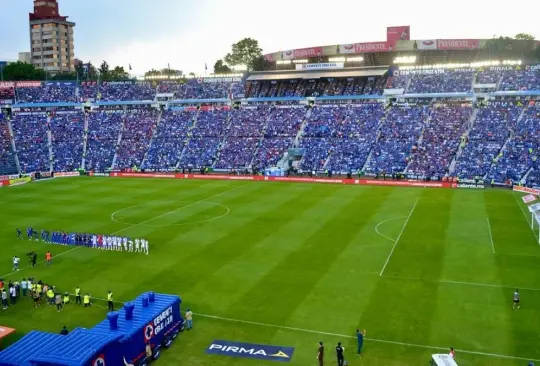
(426, 44)
(308, 52)
(458, 44)
(401, 33)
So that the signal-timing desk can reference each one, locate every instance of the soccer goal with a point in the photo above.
(535, 218)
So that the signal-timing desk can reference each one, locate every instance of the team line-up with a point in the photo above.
(99, 241)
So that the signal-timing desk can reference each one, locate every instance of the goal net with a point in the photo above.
(535, 218)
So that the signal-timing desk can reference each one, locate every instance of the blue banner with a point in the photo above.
(249, 350)
(61, 83)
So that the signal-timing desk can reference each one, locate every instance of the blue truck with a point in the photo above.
(133, 336)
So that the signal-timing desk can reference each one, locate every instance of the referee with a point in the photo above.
(110, 300)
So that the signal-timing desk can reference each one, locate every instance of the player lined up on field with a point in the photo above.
(104, 242)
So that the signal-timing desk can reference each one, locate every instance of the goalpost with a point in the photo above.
(535, 217)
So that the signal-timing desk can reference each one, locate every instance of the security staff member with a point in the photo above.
(86, 300)
(66, 298)
(339, 354)
(78, 295)
(110, 300)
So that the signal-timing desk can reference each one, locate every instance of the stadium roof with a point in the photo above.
(317, 74)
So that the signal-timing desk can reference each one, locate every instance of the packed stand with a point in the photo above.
(521, 80)
(492, 127)
(103, 131)
(446, 82)
(322, 124)
(399, 132)
(7, 158)
(88, 91)
(50, 92)
(490, 76)
(248, 122)
(440, 140)
(136, 134)
(197, 89)
(237, 152)
(31, 141)
(67, 140)
(521, 152)
(168, 143)
(355, 136)
(211, 123)
(116, 91)
(283, 126)
(397, 82)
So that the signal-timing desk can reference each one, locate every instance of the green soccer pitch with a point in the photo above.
(287, 264)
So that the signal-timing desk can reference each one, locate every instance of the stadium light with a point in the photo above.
(337, 59)
(405, 60)
(301, 61)
(355, 59)
(473, 65)
(284, 62)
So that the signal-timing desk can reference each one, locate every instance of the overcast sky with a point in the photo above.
(189, 33)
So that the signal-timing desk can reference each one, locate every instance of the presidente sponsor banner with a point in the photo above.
(250, 350)
(28, 84)
(372, 47)
(426, 44)
(534, 191)
(7, 85)
(401, 33)
(458, 44)
(308, 52)
(66, 174)
(528, 198)
(327, 65)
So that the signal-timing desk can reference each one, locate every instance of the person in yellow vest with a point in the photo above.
(78, 295)
(110, 300)
(87, 300)
(39, 289)
(66, 298)
(50, 296)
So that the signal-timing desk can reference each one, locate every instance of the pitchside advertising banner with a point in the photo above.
(250, 350)
(402, 33)
(534, 191)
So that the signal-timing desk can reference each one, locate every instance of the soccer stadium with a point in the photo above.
(375, 201)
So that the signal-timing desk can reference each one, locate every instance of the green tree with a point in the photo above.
(245, 52)
(259, 64)
(152, 72)
(104, 71)
(524, 37)
(221, 68)
(65, 76)
(192, 74)
(22, 71)
(118, 73)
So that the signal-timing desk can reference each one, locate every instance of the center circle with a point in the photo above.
(210, 211)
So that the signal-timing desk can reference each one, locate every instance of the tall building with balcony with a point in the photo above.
(51, 38)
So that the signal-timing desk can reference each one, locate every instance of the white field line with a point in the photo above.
(525, 215)
(178, 209)
(384, 222)
(399, 237)
(377, 340)
(135, 225)
(462, 283)
(490, 235)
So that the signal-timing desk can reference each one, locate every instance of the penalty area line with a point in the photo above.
(399, 237)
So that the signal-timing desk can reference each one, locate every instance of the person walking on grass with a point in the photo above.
(339, 354)
(58, 301)
(320, 354)
(516, 300)
(189, 319)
